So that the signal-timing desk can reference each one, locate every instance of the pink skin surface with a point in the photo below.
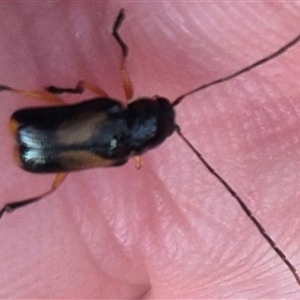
(169, 230)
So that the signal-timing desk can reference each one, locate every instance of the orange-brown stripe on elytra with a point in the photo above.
(80, 129)
(13, 127)
(17, 156)
(81, 159)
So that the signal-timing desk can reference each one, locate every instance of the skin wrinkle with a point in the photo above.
(173, 214)
(164, 191)
(106, 273)
(142, 67)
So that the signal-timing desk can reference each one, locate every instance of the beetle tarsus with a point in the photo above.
(117, 25)
(5, 88)
(57, 90)
(12, 206)
(81, 86)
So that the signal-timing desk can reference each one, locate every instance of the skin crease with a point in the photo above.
(169, 230)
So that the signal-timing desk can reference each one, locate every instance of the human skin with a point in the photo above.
(169, 230)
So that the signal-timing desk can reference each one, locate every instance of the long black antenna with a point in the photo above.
(243, 205)
(280, 51)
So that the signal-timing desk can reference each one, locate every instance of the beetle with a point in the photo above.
(101, 132)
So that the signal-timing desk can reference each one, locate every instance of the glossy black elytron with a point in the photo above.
(94, 133)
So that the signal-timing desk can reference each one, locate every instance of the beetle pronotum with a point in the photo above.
(26, 115)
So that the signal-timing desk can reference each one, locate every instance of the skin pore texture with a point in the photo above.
(169, 230)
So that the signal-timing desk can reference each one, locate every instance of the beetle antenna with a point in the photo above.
(243, 205)
(264, 60)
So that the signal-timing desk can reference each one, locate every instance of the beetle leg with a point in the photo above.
(128, 89)
(138, 161)
(34, 94)
(10, 207)
(123, 72)
(81, 86)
